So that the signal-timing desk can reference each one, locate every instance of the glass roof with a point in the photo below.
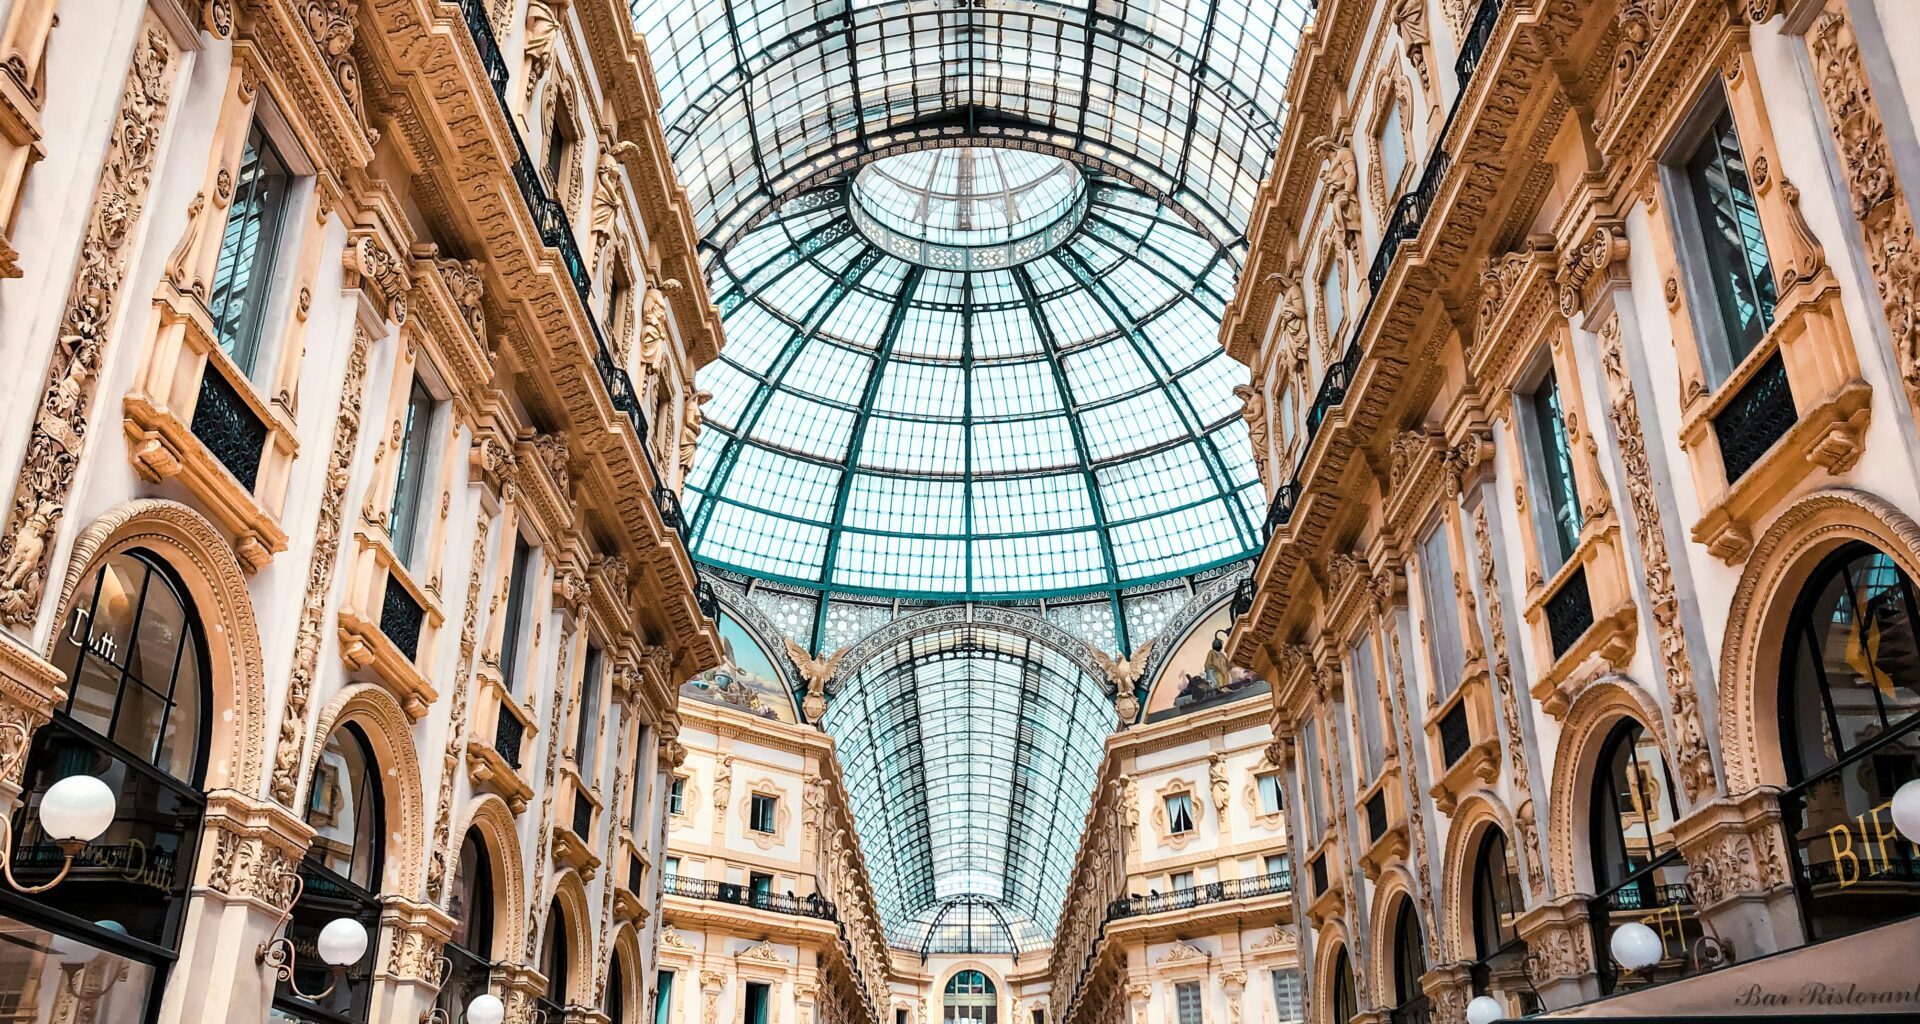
(970, 754)
(766, 99)
(1065, 425)
(968, 196)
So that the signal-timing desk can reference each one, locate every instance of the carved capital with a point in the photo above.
(1585, 264)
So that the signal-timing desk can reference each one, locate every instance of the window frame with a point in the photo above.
(264, 300)
(1274, 781)
(518, 617)
(586, 738)
(414, 462)
(756, 802)
(1553, 546)
(1180, 819)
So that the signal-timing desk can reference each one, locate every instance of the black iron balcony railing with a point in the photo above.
(1455, 738)
(228, 426)
(1377, 815)
(1569, 612)
(1201, 895)
(1242, 597)
(1473, 46)
(1409, 215)
(1758, 415)
(744, 896)
(551, 220)
(706, 597)
(582, 818)
(507, 734)
(636, 872)
(1285, 500)
(401, 618)
(1319, 868)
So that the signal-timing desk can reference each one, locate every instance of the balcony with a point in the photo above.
(1757, 416)
(1473, 45)
(1569, 612)
(1201, 895)
(743, 896)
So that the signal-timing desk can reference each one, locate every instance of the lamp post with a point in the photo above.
(341, 945)
(74, 812)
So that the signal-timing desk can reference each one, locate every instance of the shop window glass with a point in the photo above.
(469, 951)
(339, 878)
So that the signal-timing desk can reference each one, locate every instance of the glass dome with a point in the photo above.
(1061, 425)
(968, 207)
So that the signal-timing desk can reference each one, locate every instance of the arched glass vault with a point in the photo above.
(969, 752)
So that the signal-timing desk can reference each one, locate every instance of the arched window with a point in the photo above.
(1849, 687)
(340, 876)
(1345, 1004)
(135, 658)
(1409, 963)
(553, 960)
(970, 996)
(469, 951)
(616, 993)
(1496, 897)
(1636, 869)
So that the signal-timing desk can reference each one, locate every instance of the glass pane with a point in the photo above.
(243, 276)
(1556, 467)
(1393, 152)
(50, 977)
(410, 475)
(1736, 248)
(1443, 611)
(344, 809)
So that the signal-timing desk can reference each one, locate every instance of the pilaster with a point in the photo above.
(1560, 959)
(1736, 853)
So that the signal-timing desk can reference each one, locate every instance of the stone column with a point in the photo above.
(29, 688)
(519, 986)
(406, 977)
(710, 985)
(1448, 988)
(1560, 958)
(1736, 852)
(243, 887)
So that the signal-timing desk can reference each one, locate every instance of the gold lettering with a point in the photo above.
(1843, 854)
(1882, 818)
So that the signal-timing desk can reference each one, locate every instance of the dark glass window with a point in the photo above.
(403, 524)
(1409, 958)
(136, 663)
(556, 957)
(763, 813)
(586, 737)
(469, 951)
(517, 584)
(1633, 806)
(1179, 813)
(1729, 227)
(677, 795)
(616, 1002)
(756, 1002)
(1849, 686)
(244, 273)
(663, 998)
(1496, 897)
(340, 877)
(1556, 468)
(1345, 1003)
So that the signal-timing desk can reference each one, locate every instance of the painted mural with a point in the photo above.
(1198, 676)
(745, 678)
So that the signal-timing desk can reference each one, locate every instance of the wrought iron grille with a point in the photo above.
(1473, 46)
(1243, 597)
(1284, 501)
(636, 872)
(1758, 415)
(706, 598)
(1569, 612)
(1333, 388)
(550, 219)
(1409, 216)
(669, 503)
(1201, 895)
(582, 817)
(1319, 868)
(401, 617)
(1377, 815)
(1455, 738)
(507, 734)
(228, 426)
(743, 896)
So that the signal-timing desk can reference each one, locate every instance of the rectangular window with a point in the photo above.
(1366, 706)
(757, 1002)
(1039, 1017)
(1180, 880)
(1393, 152)
(760, 885)
(672, 866)
(558, 146)
(243, 275)
(403, 521)
(637, 799)
(1186, 1001)
(1332, 307)
(761, 815)
(619, 293)
(1277, 864)
(663, 998)
(1443, 611)
(586, 738)
(1554, 462)
(517, 584)
(1286, 995)
(1310, 781)
(1179, 813)
(1271, 799)
(677, 795)
(1734, 250)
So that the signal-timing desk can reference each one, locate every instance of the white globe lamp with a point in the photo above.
(486, 1008)
(342, 942)
(1484, 1010)
(1636, 946)
(76, 810)
(1906, 810)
